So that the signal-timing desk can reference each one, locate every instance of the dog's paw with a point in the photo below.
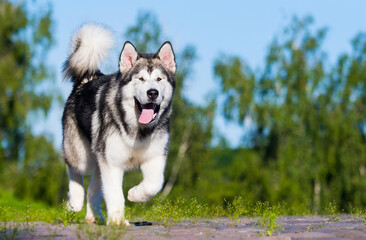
(122, 222)
(74, 206)
(136, 194)
(90, 218)
(117, 218)
(76, 197)
(94, 214)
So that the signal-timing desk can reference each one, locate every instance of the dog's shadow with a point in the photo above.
(141, 224)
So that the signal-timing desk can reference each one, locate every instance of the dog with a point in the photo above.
(115, 123)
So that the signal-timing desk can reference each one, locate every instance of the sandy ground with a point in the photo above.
(315, 227)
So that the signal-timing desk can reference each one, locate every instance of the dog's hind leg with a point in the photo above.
(77, 154)
(94, 198)
(76, 191)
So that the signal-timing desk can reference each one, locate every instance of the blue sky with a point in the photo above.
(242, 28)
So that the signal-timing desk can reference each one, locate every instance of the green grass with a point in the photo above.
(15, 210)
(268, 215)
(164, 212)
(332, 210)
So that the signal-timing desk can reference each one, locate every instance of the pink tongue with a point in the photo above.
(146, 116)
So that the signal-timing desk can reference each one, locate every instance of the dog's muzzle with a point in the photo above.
(148, 112)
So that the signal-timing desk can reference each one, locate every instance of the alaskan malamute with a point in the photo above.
(115, 123)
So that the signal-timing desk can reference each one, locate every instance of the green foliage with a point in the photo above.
(13, 209)
(308, 123)
(332, 210)
(168, 213)
(27, 92)
(46, 171)
(146, 34)
(267, 216)
(66, 216)
(236, 209)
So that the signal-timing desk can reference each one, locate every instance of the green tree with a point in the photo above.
(191, 125)
(308, 116)
(26, 93)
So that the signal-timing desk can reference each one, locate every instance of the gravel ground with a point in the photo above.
(314, 227)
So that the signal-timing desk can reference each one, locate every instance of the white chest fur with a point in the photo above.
(128, 153)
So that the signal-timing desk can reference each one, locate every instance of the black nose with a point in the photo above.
(152, 94)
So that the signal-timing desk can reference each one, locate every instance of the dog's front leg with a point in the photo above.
(153, 173)
(112, 177)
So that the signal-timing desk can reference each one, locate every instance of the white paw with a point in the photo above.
(76, 197)
(117, 218)
(74, 206)
(118, 222)
(136, 194)
(91, 218)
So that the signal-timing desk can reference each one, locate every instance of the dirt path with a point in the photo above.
(343, 227)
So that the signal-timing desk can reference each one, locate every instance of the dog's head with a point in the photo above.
(150, 80)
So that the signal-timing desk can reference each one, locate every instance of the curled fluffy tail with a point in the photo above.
(89, 46)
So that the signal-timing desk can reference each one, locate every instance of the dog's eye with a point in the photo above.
(141, 78)
(158, 79)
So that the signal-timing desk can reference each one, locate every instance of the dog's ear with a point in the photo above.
(128, 57)
(166, 55)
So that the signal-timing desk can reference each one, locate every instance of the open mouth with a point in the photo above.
(148, 112)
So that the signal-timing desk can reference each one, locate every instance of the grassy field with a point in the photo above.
(163, 212)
